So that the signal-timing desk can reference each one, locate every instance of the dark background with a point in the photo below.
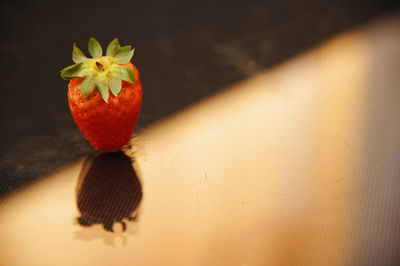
(185, 51)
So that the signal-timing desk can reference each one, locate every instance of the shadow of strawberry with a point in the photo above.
(108, 190)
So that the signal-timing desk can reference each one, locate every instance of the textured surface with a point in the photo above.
(184, 52)
(296, 166)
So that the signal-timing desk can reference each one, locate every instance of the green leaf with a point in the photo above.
(125, 73)
(112, 47)
(115, 85)
(101, 84)
(71, 71)
(95, 48)
(84, 71)
(87, 86)
(69, 77)
(124, 49)
(123, 55)
(77, 55)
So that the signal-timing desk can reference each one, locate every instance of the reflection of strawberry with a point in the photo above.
(106, 119)
(103, 202)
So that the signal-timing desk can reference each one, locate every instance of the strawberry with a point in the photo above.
(104, 94)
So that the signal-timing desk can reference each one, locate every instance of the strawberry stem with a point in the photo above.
(105, 72)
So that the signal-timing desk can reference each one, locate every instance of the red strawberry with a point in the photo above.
(104, 94)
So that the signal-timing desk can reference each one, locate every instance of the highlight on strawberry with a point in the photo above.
(104, 94)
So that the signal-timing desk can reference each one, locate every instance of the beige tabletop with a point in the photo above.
(282, 169)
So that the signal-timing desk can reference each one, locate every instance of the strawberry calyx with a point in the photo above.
(105, 73)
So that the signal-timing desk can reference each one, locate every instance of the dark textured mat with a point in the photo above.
(184, 52)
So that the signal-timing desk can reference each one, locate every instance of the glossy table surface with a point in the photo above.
(297, 165)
